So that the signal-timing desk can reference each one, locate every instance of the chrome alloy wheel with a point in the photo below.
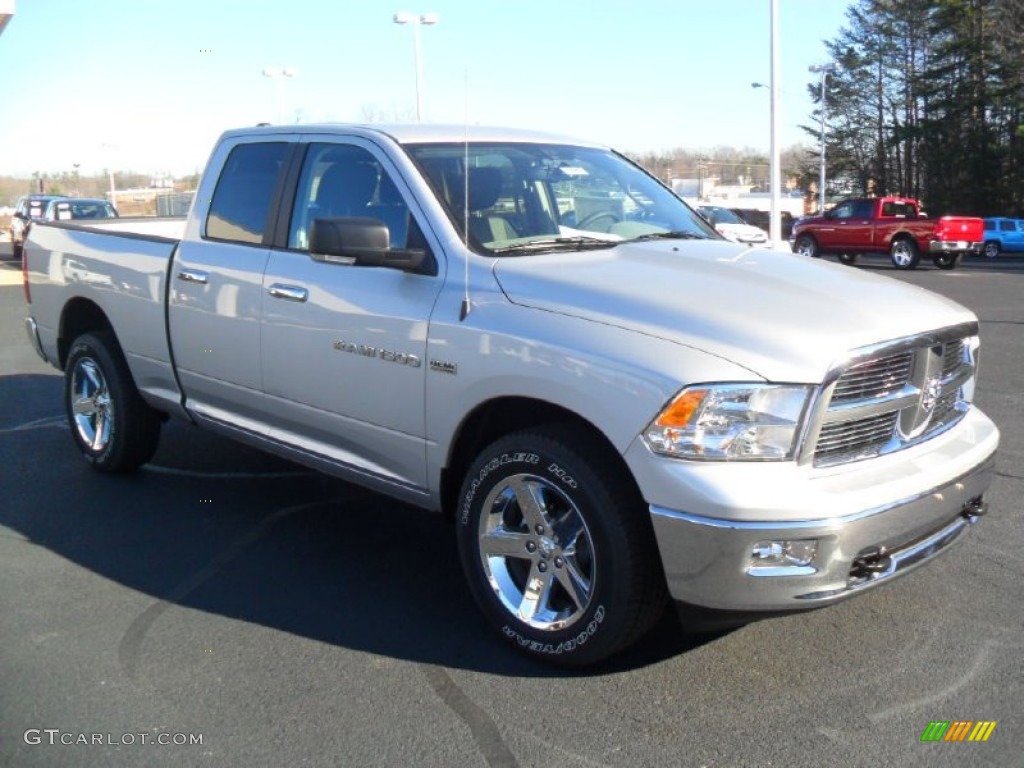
(902, 253)
(91, 405)
(537, 552)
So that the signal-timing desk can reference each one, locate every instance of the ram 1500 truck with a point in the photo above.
(892, 225)
(530, 333)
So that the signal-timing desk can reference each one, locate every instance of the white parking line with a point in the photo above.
(50, 421)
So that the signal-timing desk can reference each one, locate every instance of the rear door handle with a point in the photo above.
(288, 292)
(193, 276)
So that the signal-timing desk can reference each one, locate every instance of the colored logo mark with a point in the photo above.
(958, 730)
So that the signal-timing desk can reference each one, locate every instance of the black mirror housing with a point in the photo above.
(364, 240)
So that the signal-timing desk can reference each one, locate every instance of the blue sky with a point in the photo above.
(148, 85)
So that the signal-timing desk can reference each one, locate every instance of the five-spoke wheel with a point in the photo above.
(112, 425)
(806, 245)
(903, 253)
(557, 545)
(91, 408)
(536, 552)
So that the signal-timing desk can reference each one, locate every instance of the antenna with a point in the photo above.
(466, 303)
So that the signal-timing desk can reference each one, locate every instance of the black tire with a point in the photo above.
(586, 549)
(114, 428)
(16, 251)
(806, 245)
(904, 253)
(992, 249)
(849, 259)
(946, 260)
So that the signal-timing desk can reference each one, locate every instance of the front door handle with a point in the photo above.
(193, 276)
(288, 292)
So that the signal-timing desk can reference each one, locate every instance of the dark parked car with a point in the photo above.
(27, 209)
(761, 219)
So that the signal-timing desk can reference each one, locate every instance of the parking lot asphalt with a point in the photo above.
(286, 618)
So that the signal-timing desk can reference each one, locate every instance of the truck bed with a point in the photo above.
(125, 275)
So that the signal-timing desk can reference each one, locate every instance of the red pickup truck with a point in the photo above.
(893, 225)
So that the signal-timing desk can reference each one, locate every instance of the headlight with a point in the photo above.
(728, 422)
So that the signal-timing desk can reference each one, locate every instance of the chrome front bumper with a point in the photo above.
(707, 561)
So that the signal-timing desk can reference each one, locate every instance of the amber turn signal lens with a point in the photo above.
(679, 413)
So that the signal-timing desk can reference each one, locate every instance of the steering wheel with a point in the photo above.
(589, 219)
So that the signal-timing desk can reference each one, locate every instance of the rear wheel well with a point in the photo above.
(80, 316)
(495, 418)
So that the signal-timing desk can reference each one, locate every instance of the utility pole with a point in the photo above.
(775, 176)
(823, 70)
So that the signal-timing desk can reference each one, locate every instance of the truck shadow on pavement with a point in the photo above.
(214, 526)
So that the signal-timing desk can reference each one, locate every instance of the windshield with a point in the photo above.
(718, 215)
(525, 197)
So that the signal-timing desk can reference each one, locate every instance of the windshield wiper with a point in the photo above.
(678, 235)
(576, 243)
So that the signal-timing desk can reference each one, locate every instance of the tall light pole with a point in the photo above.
(775, 177)
(276, 74)
(416, 19)
(823, 70)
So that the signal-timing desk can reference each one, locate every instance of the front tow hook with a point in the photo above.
(974, 509)
(871, 564)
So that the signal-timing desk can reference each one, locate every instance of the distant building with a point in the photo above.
(151, 201)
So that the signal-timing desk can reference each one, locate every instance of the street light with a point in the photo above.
(275, 74)
(823, 70)
(404, 17)
(774, 174)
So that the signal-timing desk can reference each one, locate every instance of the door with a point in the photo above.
(343, 347)
(216, 285)
(852, 228)
(1012, 235)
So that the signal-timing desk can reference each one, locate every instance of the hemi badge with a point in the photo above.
(443, 366)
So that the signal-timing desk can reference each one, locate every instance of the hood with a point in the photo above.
(784, 317)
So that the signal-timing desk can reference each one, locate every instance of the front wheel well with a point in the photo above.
(80, 316)
(491, 420)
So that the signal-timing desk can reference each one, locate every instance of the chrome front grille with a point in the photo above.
(953, 356)
(893, 396)
(874, 378)
(845, 439)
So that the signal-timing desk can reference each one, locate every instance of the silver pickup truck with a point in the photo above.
(533, 335)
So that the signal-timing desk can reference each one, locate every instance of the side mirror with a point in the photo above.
(361, 241)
